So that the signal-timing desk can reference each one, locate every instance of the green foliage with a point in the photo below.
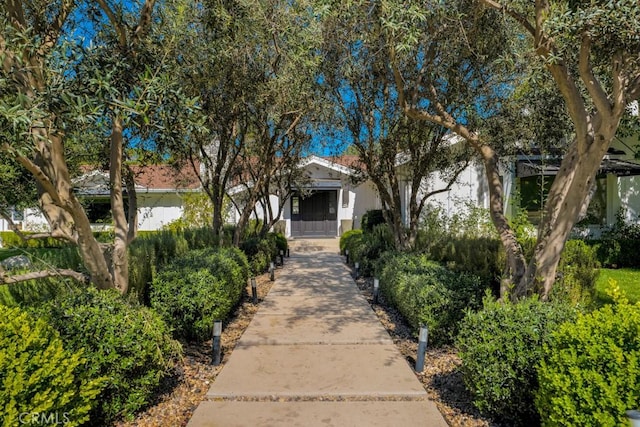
(578, 271)
(628, 280)
(152, 250)
(465, 242)
(370, 247)
(618, 246)
(590, 370)
(260, 252)
(12, 240)
(482, 256)
(371, 219)
(427, 293)
(198, 288)
(279, 240)
(128, 344)
(347, 239)
(39, 376)
(500, 347)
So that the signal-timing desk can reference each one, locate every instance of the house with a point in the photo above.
(333, 201)
(617, 186)
(159, 190)
(336, 197)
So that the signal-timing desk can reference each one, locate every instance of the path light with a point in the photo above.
(288, 253)
(272, 271)
(217, 350)
(254, 290)
(346, 253)
(357, 270)
(281, 257)
(634, 418)
(422, 348)
(376, 289)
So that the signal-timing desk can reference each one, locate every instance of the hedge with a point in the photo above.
(198, 288)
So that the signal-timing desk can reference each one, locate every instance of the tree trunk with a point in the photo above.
(119, 261)
(62, 208)
(563, 208)
(516, 263)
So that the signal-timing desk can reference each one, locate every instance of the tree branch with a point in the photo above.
(37, 172)
(117, 25)
(512, 13)
(592, 84)
(53, 32)
(10, 280)
(619, 85)
(634, 89)
(144, 22)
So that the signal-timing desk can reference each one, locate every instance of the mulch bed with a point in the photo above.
(184, 392)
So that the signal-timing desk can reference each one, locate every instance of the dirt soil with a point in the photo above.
(184, 392)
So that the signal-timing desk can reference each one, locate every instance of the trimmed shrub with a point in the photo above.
(280, 241)
(199, 288)
(38, 377)
(371, 219)
(128, 344)
(590, 370)
(427, 293)
(482, 256)
(348, 240)
(500, 347)
(371, 248)
(260, 252)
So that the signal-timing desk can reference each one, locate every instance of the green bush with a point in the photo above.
(347, 238)
(578, 271)
(371, 219)
(373, 244)
(590, 370)
(500, 347)
(260, 252)
(280, 241)
(38, 376)
(482, 256)
(199, 288)
(128, 344)
(427, 293)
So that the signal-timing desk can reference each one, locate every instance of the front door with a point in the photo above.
(315, 215)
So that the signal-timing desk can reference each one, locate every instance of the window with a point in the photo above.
(17, 215)
(535, 189)
(345, 196)
(533, 195)
(295, 205)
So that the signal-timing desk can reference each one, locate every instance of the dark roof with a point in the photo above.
(550, 167)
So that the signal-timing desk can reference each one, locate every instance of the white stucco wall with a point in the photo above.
(155, 210)
(624, 192)
(470, 188)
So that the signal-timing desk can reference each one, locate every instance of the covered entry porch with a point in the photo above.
(314, 214)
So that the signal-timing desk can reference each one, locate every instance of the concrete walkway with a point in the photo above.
(315, 354)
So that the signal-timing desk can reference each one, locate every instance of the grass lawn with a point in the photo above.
(628, 280)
